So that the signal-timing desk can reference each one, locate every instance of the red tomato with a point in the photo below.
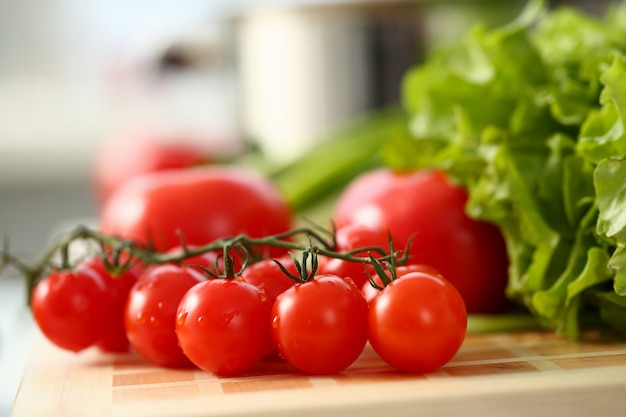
(150, 314)
(69, 308)
(223, 326)
(268, 276)
(361, 191)
(320, 326)
(470, 254)
(135, 152)
(203, 204)
(354, 236)
(117, 289)
(369, 291)
(351, 237)
(417, 323)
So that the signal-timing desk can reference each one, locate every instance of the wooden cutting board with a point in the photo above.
(513, 374)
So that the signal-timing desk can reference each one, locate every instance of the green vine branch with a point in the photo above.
(119, 254)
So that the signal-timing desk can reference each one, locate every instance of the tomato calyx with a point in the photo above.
(386, 273)
(386, 270)
(117, 262)
(307, 269)
(226, 265)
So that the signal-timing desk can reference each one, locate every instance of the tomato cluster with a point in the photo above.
(175, 315)
(262, 304)
(84, 307)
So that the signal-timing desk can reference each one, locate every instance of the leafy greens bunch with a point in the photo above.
(531, 119)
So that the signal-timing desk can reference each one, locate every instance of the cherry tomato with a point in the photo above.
(417, 323)
(223, 326)
(117, 289)
(150, 314)
(132, 153)
(268, 276)
(425, 205)
(203, 204)
(369, 291)
(320, 326)
(351, 237)
(69, 308)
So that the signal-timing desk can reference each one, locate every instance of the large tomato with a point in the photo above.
(424, 204)
(136, 152)
(202, 204)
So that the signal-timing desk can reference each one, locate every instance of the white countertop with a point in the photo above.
(16, 334)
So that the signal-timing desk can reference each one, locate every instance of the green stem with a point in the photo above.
(477, 323)
(113, 248)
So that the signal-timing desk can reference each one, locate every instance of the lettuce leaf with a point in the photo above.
(530, 118)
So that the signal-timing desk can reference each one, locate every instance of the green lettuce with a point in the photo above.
(530, 118)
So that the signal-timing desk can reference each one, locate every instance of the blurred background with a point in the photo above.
(277, 73)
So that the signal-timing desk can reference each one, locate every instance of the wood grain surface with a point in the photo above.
(503, 374)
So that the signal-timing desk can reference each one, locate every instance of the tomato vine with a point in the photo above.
(118, 254)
